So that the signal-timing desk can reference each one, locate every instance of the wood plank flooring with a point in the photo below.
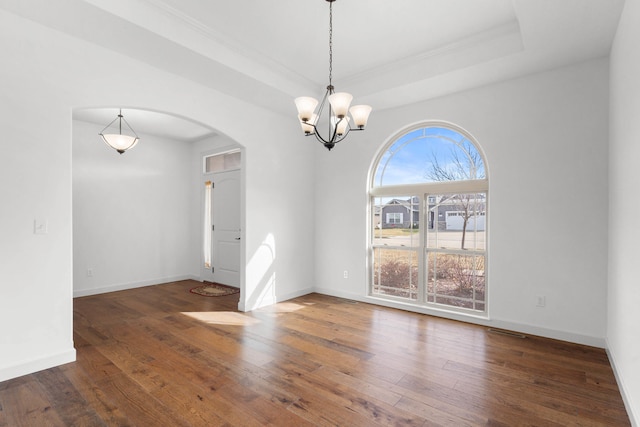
(161, 356)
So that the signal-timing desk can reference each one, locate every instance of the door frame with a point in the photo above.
(202, 178)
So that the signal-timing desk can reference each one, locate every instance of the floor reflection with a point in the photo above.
(223, 318)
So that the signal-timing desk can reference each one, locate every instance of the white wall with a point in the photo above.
(49, 75)
(131, 213)
(35, 182)
(624, 181)
(545, 140)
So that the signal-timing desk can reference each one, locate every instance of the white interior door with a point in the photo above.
(226, 233)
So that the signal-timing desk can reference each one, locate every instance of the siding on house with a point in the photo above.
(409, 213)
(441, 214)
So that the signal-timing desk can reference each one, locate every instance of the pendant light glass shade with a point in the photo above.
(341, 127)
(340, 102)
(360, 114)
(307, 126)
(306, 105)
(119, 141)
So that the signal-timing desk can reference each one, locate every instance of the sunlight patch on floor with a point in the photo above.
(223, 318)
(282, 307)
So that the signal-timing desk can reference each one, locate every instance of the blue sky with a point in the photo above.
(408, 159)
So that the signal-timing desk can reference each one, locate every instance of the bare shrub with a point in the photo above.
(450, 276)
(400, 275)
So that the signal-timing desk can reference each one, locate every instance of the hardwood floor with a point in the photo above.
(161, 356)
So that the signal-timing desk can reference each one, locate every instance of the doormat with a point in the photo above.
(210, 289)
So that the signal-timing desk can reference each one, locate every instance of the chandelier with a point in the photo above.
(119, 141)
(338, 121)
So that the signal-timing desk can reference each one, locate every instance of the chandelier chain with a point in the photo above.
(330, 41)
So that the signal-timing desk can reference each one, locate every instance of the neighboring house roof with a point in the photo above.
(406, 203)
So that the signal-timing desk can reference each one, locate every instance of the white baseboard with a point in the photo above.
(39, 364)
(295, 294)
(478, 320)
(634, 417)
(547, 333)
(132, 285)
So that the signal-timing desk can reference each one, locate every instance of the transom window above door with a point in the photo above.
(428, 198)
(222, 162)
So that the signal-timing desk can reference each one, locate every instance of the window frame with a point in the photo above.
(426, 190)
(394, 215)
(229, 160)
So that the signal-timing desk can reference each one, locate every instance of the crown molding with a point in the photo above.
(492, 44)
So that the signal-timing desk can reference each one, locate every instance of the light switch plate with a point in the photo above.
(40, 226)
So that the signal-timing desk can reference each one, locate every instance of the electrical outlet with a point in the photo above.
(89, 272)
(542, 301)
(345, 274)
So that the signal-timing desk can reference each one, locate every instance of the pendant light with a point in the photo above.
(119, 141)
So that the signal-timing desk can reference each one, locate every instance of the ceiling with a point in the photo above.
(385, 53)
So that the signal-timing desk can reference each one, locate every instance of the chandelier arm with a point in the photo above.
(128, 125)
(349, 129)
(318, 136)
(107, 126)
(330, 142)
(324, 101)
(344, 135)
(335, 130)
(321, 140)
(334, 138)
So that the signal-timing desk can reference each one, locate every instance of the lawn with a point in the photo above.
(389, 232)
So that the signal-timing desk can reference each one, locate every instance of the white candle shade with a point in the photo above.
(360, 115)
(342, 126)
(307, 127)
(306, 106)
(340, 102)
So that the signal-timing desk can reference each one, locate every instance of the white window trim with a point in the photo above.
(425, 190)
(395, 215)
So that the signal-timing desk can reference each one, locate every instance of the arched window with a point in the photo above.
(429, 191)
